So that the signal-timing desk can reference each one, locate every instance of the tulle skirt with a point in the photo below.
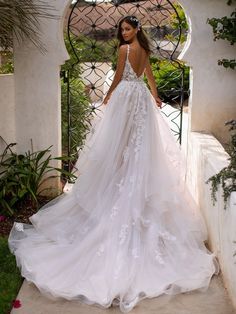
(129, 228)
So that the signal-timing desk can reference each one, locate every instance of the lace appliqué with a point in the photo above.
(126, 154)
(100, 250)
(19, 226)
(121, 185)
(123, 233)
(130, 75)
(160, 250)
(139, 122)
(114, 211)
(135, 253)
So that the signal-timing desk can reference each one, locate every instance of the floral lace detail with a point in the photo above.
(145, 222)
(166, 235)
(114, 211)
(160, 250)
(19, 226)
(158, 256)
(135, 253)
(126, 154)
(139, 122)
(123, 233)
(129, 74)
(100, 250)
(120, 185)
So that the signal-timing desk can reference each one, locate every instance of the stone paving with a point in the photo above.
(214, 301)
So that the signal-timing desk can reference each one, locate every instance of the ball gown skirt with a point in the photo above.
(129, 228)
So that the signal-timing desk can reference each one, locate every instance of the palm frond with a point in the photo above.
(21, 18)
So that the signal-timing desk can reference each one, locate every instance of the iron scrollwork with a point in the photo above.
(91, 38)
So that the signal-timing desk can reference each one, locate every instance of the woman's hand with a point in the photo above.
(158, 101)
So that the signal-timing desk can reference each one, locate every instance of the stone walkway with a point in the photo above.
(213, 301)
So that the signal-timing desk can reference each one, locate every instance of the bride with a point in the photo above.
(129, 228)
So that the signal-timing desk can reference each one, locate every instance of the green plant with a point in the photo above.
(227, 176)
(168, 76)
(94, 50)
(73, 93)
(22, 177)
(225, 28)
(10, 278)
(7, 65)
(21, 19)
(178, 20)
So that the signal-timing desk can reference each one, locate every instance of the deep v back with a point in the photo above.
(128, 60)
(129, 74)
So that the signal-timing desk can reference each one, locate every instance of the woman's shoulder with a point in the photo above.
(123, 47)
(137, 48)
(122, 50)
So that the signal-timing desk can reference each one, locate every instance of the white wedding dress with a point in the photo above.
(128, 229)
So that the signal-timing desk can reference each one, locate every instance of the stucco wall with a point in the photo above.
(206, 157)
(213, 91)
(7, 109)
(37, 86)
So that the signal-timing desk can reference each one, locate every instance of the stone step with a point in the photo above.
(214, 301)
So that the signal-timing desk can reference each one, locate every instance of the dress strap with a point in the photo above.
(128, 48)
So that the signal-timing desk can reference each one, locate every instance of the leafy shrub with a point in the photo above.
(178, 20)
(22, 177)
(10, 277)
(225, 28)
(75, 104)
(227, 176)
(168, 76)
(7, 65)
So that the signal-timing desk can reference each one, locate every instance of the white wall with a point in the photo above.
(37, 87)
(7, 109)
(206, 157)
(213, 91)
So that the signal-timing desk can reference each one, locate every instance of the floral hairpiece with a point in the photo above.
(134, 19)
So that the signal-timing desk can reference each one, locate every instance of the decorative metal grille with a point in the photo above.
(91, 41)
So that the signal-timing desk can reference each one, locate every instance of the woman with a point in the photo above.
(128, 229)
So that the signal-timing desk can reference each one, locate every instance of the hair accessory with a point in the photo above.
(134, 19)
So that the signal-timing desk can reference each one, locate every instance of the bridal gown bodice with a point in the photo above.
(129, 73)
(129, 228)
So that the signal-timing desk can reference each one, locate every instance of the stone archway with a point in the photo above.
(37, 101)
(37, 85)
(91, 29)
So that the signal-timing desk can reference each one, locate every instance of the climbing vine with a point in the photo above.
(225, 28)
(227, 176)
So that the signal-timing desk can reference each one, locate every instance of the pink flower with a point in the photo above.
(2, 218)
(16, 304)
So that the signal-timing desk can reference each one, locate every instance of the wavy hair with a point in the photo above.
(141, 36)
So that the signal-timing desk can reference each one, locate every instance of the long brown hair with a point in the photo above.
(142, 38)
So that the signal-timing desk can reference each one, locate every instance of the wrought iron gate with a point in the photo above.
(91, 41)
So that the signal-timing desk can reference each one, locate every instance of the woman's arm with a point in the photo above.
(152, 83)
(119, 71)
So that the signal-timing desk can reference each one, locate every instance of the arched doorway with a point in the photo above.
(90, 40)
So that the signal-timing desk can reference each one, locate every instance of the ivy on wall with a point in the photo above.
(225, 28)
(227, 176)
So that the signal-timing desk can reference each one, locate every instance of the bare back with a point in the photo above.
(138, 58)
